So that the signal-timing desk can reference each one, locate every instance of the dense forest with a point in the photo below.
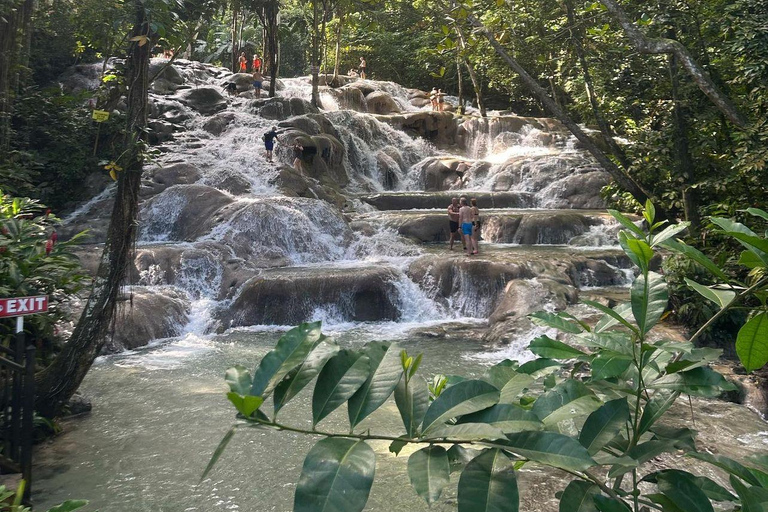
(668, 97)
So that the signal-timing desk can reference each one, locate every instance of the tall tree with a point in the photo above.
(58, 382)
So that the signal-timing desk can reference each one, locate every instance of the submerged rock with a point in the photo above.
(205, 100)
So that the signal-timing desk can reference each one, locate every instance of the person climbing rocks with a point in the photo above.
(440, 100)
(476, 225)
(231, 88)
(298, 154)
(257, 80)
(361, 68)
(257, 62)
(269, 139)
(433, 98)
(465, 220)
(453, 221)
(243, 62)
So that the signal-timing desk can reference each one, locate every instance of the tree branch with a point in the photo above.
(644, 44)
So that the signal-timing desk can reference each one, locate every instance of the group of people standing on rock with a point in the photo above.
(437, 99)
(464, 222)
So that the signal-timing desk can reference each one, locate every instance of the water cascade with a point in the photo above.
(232, 248)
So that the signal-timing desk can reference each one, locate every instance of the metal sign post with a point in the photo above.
(18, 444)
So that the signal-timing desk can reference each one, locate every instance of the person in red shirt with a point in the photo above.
(243, 62)
(256, 62)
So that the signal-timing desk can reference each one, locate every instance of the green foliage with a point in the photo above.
(34, 262)
(597, 425)
(15, 498)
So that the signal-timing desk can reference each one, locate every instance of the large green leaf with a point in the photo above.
(649, 300)
(752, 342)
(606, 504)
(745, 236)
(508, 418)
(412, 401)
(608, 365)
(69, 506)
(429, 472)
(720, 297)
(753, 499)
(551, 449)
(729, 465)
(489, 484)
(218, 451)
(698, 382)
(579, 497)
(604, 424)
(655, 408)
(238, 379)
(683, 492)
(567, 400)
(336, 477)
(298, 378)
(668, 233)
(462, 398)
(697, 256)
(245, 405)
(709, 487)
(290, 351)
(620, 314)
(465, 432)
(627, 223)
(757, 212)
(386, 370)
(544, 346)
(508, 381)
(555, 320)
(638, 251)
(339, 379)
(641, 454)
(539, 367)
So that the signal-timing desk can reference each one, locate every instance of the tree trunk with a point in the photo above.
(315, 64)
(622, 178)
(271, 11)
(59, 381)
(644, 44)
(477, 87)
(340, 16)
(15, 36)
(235, 54)
(461, 86)
(605, 128)
(682, 151)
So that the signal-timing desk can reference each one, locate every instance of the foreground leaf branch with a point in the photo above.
(593, 409)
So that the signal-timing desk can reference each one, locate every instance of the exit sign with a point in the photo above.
(20, 306)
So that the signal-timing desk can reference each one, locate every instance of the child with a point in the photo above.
(257, 79)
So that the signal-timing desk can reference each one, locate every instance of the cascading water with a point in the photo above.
(355, 238)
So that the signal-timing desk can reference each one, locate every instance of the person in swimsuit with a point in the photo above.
(298, 153)
(257, 79)
(243, 62)
(256, 63)
(465, 220)
(433, 98)
(453, 221)
(361, 68)
(269, 142)
(476, 224)
(440, 100)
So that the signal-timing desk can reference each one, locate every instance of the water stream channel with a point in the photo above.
(232, 250)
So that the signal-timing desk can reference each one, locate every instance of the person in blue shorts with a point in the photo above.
(465, 221)
(257, 79)
(269, 142)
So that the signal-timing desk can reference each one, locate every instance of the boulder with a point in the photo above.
(138, 322)
(244, 81)
(160, 178)
(160, 69)
(441, 200)
(437, 127)
(380, 102)
(349, 98)
(206, 100)
(283, 108)
(181, 212)
(163, 86)
(291, 296)
(218, 124)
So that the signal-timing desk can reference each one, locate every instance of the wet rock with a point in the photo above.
(137, 321)
(77, 405)
(437, 127)
(290, 296)
(161, 131)
(81, 77)
(437, 174)
(283, 108)
(230, 181)
(243, 81)
(160, 178)
(160, 69)
(219, 123)
(380, 102)
(349, 98)
(206, 100)
(163, 86)
(478, 136)
(441, 200)
(181, 212)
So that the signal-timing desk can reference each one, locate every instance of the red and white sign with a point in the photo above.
(20, 306)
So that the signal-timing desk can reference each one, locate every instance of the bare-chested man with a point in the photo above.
(465, 220)
(453, 220)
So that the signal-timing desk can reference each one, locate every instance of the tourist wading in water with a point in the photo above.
(298, 153)
(269, 139)
(476, 224)
(465, 221)
(453, 221)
